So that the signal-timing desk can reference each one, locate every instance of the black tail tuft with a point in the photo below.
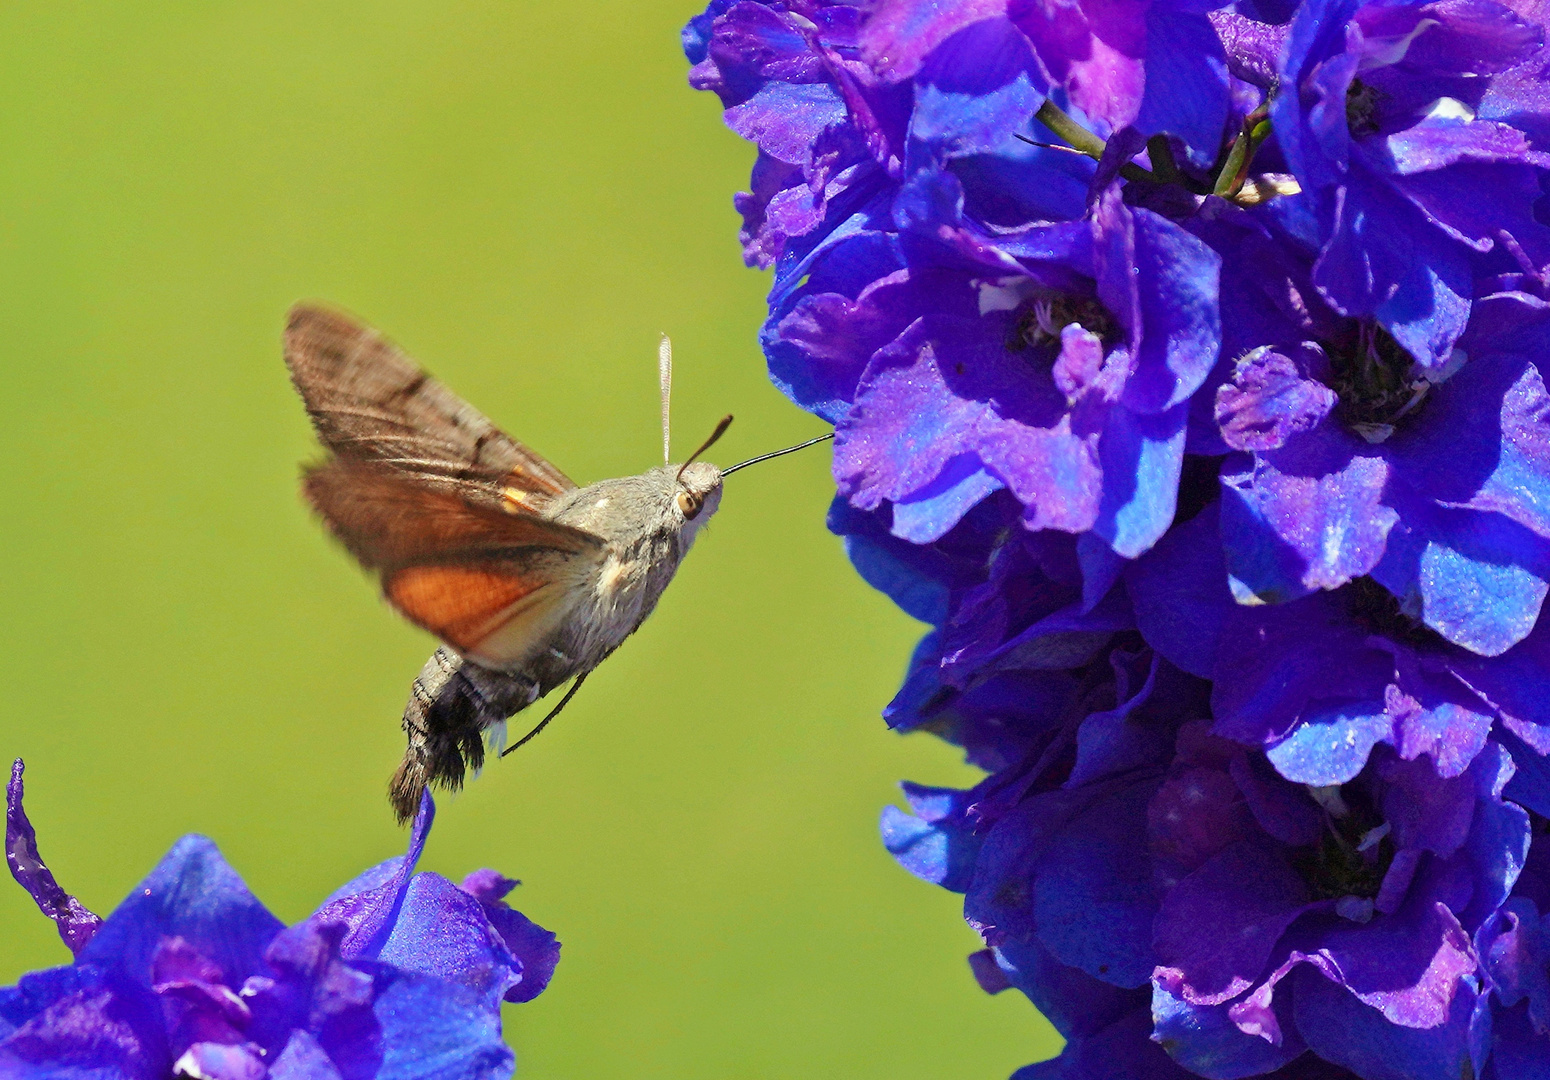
(450, 706)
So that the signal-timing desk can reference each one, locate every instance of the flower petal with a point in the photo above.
(194, 894)
(76, 924)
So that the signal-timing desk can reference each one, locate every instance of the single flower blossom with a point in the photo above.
(1376, 114)
(397, 974)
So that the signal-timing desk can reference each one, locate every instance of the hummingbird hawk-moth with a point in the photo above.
(528, 580)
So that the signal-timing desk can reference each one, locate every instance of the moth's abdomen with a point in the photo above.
(451, 703)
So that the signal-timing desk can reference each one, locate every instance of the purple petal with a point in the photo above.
(1252, 48)
(1096, 51)
(100, 1033)
(1342, 1030)
(1320, 495)
(193, 894)
(989, 974)
(975, 89)
(1426, 811)
(1466, 37)
(215, 1061)
(537, 949)
(76, 924)
(442, 931)
(1410, 966)
(1269, 400)
(900, 33)
(1205, 1040)
(1179, 590)
(1217, 927)
(1436, 715)
(946, 387)
(1283, 810)
(432, 1029)
(368, 907)
(303, 1059)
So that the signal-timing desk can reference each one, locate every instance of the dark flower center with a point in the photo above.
(1361, 108)
(1378, 611)
(1371, 374)
(1199, 485)
(1043, 318)
(1354, 853)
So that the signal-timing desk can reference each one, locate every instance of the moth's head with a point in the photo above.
(696, 497)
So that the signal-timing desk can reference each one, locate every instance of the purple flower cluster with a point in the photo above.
(1183, 362)
(397, 975)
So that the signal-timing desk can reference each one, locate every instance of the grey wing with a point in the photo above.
(368, 400)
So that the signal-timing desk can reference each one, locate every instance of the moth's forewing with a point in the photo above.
(388, 520)
(367, 399)
(490, 583)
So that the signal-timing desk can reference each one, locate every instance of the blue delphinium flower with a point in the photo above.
(397, 974)
(1184, 365)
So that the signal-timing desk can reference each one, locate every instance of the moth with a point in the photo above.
(528, 580)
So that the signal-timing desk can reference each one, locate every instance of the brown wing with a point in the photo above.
(490, 583)
(367, 399)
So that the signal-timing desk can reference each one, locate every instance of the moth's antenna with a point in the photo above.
(721, 429)
(665, 377)
(776, 453)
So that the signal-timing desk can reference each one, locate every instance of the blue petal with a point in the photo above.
(433, 1030)
(941, 853)
(1383, 258)
(1206, 1042)
(112, 1031)
(193, 894)
(1518, 1051)
(1342, 1030)
(443, 931)
(1141, 457)
(930, 512)
(1478, 579)
(1186, 82)
(369, 906)
(1179, 590)
(1530, 785)
(1331, 742)
(975, 89)
(303, 1059)
(1073, 866)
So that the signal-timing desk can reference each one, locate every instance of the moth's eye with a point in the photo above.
(689, 504)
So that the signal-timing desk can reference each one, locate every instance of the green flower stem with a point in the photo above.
(1235, 170)
(1084, 141)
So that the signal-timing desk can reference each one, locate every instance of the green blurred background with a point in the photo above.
(523, 195)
